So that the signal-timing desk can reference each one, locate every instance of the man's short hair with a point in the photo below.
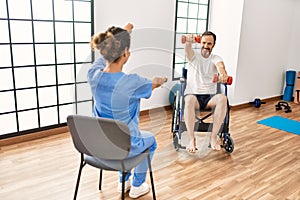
(210, 33)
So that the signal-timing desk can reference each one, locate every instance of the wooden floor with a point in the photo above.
(264, 165)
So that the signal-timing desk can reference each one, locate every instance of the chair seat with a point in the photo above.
(115, 165)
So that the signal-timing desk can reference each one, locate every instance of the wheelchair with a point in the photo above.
(178, 125)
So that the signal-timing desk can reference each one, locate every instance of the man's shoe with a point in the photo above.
(136, 192)
(127, 186)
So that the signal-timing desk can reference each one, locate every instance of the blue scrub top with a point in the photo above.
(117, 96)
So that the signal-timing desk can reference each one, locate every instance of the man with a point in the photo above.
(201, 88)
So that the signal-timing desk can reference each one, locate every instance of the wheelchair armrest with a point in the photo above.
(182, 80)
(219, 90)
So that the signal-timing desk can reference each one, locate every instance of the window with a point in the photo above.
(191, 18)
(45, 53)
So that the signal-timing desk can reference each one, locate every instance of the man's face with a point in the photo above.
(207, 44)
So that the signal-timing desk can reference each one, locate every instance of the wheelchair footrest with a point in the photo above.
(202, 127)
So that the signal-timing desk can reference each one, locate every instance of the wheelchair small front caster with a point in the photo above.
(228, 144)
(175, 142)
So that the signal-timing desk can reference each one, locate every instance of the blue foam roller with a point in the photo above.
(289, 88)
(288, 93)
(290, 77)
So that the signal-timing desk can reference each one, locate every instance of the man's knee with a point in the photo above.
(221, 99)
(190, 101)
(222, 102)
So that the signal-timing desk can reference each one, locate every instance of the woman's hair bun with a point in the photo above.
(112, 43)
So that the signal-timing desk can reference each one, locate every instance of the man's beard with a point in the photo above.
(205, 52)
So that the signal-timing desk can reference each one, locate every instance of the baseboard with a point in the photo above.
(246, 105)
(33, 136)
(60, 130)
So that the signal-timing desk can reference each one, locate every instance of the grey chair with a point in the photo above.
(105, 144)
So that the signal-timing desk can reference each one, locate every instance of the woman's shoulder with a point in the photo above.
(135, 79)
(134, 76)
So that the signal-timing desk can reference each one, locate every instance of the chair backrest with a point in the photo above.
(100, 137)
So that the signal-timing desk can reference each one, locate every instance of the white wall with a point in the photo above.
(258, 40)
(225, 21)
(152, 39)
(294, 45)
(264, 49)
(267, 48)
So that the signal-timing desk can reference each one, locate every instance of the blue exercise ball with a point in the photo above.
(173, 91)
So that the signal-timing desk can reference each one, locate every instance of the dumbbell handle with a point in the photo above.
(229, 79)
(197, 39)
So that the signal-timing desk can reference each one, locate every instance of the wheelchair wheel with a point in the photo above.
(175, 115)
(228, 144)
(175, 142)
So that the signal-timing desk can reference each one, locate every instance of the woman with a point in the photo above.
(117, 95)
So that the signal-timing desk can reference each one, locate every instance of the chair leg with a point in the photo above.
(151, 178)
(123, 184)
(100, 179)
(82, 164)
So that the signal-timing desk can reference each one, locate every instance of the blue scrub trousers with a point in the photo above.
(139, 175)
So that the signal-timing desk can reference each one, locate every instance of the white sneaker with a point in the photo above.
(136, 192)
(127, 186)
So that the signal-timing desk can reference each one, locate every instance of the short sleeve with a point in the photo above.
(216, 59)
(97, 66)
